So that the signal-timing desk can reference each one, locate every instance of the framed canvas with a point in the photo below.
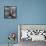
(32, 32)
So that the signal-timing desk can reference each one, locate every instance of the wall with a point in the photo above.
(28, 12)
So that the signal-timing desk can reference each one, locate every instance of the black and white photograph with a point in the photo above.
(10, 12)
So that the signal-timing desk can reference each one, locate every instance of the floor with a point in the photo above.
(30, 43)
(7, 45)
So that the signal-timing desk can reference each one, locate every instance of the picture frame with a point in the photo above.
(10, 12)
